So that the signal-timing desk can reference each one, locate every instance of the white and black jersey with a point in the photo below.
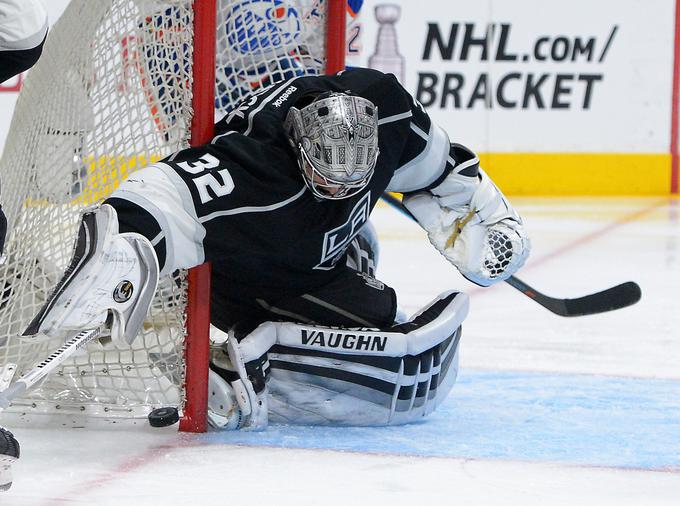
(23, 28)
(270, 241)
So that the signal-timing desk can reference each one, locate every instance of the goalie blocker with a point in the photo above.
(297, 373)
(110, 281)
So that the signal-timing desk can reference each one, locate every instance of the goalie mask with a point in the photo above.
(336, 139)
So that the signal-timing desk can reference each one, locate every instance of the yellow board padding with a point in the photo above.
(552, 174)
(532, 174)
(104, 174)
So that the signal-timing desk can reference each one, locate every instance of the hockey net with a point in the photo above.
(113, 93)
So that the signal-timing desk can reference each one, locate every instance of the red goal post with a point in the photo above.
(197, 347)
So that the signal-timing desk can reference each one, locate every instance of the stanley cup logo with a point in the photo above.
(386, 57)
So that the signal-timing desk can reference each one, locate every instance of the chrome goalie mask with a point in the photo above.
(336, 139)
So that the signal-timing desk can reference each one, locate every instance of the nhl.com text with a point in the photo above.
(529, 81)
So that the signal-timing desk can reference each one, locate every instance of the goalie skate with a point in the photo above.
(111, 280)
(9, 452)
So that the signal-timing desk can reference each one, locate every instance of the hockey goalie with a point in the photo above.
(279, 203)
(23, 28)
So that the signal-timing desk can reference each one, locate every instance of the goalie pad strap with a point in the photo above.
(251, 394)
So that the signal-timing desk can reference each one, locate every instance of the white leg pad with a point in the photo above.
(334, 376)
(331, 376)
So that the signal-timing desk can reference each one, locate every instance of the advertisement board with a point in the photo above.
(556, 97)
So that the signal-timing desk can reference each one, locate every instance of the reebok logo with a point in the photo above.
(284, 96)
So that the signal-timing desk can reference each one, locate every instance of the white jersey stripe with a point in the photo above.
(253, 209)
(251, 114)
(425, 168)
(222, 135)
(273, 95)
(396, 117)
(421, 133)
(23, 24)
(161, 192)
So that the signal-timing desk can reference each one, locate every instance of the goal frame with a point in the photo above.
(197, 341)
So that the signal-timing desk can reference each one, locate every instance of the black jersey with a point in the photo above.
(267, 236)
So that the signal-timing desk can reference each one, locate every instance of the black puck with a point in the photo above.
(163, 417)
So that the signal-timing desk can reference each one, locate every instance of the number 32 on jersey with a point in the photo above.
(208, 180)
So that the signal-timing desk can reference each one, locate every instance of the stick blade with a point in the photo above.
(617, 297)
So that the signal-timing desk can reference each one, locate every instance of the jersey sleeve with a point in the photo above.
(23, 28)
(425, 154)
(23, 24)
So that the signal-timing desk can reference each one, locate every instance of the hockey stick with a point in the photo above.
(40, 371)
(616, 297)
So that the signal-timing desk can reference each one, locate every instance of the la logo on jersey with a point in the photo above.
(335, 241)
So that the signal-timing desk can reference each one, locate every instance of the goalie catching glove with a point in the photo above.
(111, 280)
(471, 223)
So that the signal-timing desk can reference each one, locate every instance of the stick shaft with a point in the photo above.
(616, 297)
(40, 371)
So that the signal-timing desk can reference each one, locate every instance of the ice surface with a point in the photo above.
(547, 410)
(574, 419)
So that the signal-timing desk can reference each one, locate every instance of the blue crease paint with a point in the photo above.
(542, 417)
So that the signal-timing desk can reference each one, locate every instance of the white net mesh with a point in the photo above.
(111, 94)
(264, 41)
